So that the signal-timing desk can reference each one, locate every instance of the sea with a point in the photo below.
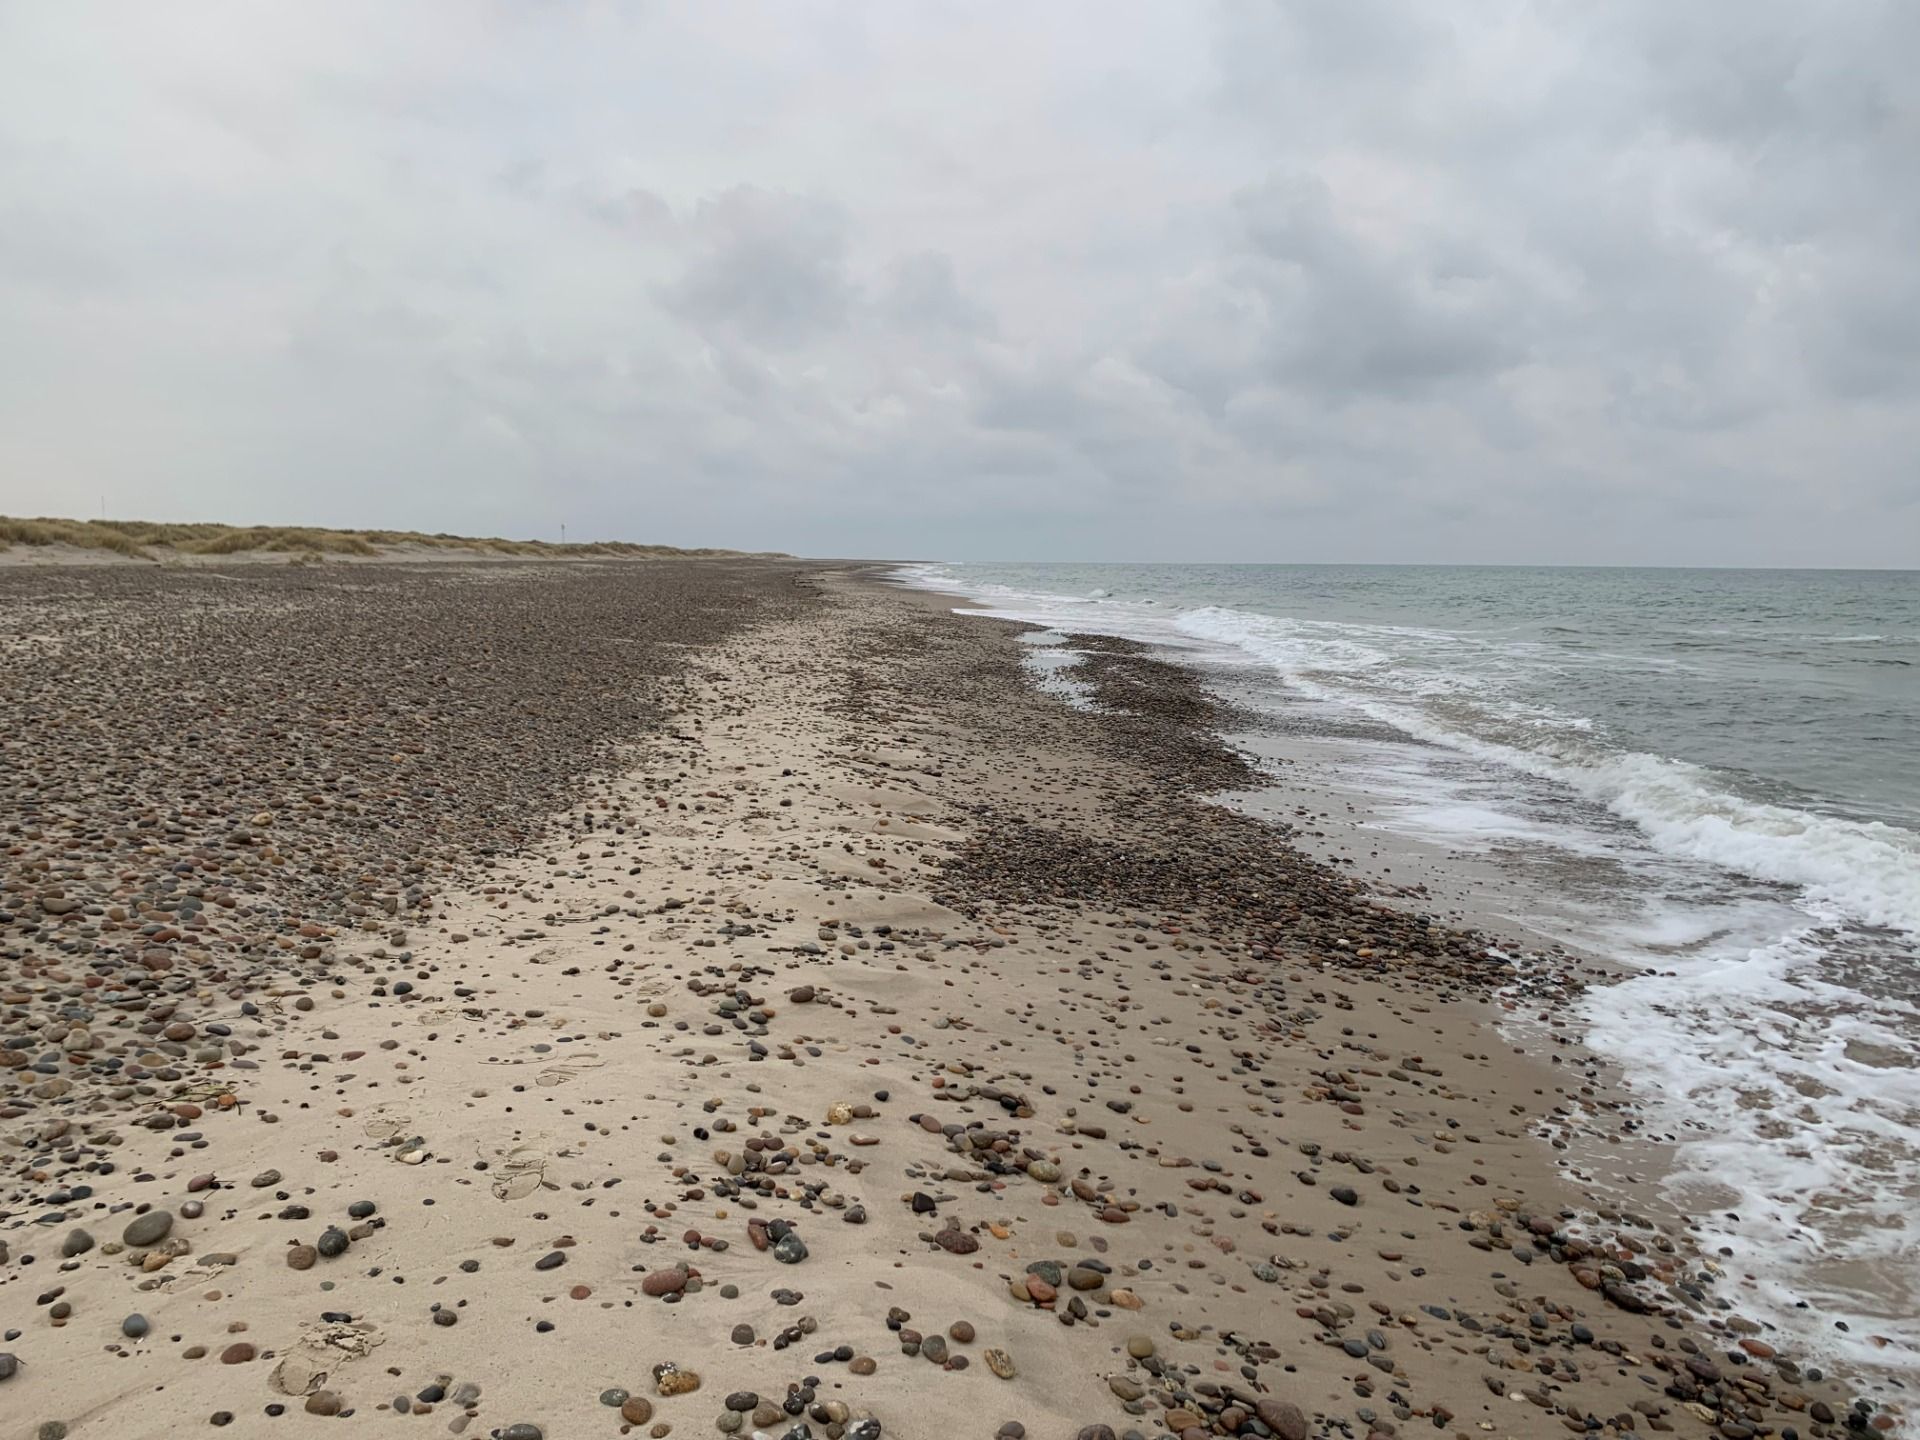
(1709, 779)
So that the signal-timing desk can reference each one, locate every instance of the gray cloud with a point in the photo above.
(1347, 314)
(767, 268)
(1262, 280)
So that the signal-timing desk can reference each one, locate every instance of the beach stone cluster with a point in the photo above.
(724, 997)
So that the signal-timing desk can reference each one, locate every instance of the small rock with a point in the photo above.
(1283, 1417)
(148, 1229)
(670, 1281)
(670, 1379)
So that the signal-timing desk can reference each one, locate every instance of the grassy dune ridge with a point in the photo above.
(155, 540)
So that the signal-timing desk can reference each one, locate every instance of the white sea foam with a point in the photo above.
(1749, 1060)
(1862, 870)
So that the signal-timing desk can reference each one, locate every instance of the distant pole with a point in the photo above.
(563, 532)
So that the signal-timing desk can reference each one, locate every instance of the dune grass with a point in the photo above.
(88, 535)
(155, 540)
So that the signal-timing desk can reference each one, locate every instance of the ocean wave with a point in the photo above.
(1861, 870)
(1806, 1173)
(1454, 690)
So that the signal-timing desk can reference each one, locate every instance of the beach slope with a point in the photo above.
(555, 1001)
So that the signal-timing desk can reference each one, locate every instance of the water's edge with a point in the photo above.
(1733, 1023)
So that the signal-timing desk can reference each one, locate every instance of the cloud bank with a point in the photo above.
(1533, 282)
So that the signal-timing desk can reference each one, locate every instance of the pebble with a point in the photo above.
(1283, 1417)
(670, 1281)
(670, 1379)
(148, 1229)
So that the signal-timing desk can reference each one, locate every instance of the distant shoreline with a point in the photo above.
(54, 541)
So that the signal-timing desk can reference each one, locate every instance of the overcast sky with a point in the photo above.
(1634, 281)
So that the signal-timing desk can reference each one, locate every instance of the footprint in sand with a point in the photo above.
(517, 1172)
(560, 1071)
(387, 1126)
(319, 1352)
(386, 1122)
(567, 1069)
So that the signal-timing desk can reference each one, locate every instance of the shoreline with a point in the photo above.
(1163, 1119)
(1318, 787)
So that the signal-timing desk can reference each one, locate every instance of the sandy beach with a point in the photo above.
(549, 1000)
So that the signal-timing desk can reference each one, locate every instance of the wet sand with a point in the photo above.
(727, 997)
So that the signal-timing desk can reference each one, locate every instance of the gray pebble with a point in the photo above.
(148, 1229)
